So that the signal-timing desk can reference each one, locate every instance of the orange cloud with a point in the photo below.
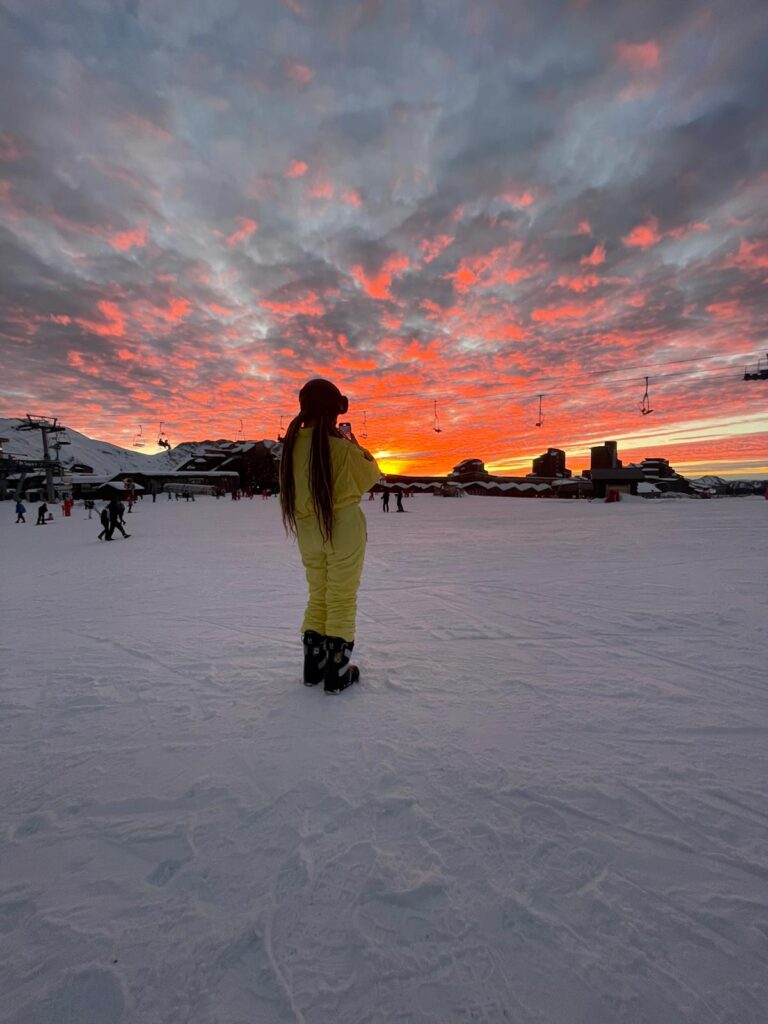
(246, 229)
(378, 285)
(595, 258)
(518, 198)
(555, 313)
(752, 255)
(303, 305)
(176, 310)
(580, 283)
(489, 269)
(432, 247)
(320, 189)
(351, 197)
(114, 321)
(639, 57)
(125, 240)
(296, 169)
(643, 236)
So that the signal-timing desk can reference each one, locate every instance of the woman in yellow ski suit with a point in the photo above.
(323, 475)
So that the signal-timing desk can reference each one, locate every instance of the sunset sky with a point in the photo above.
(203, 204)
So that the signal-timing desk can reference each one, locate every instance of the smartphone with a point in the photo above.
(346, 429)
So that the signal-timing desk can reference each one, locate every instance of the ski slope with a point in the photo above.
(545, 803)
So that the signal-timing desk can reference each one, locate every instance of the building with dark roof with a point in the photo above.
(469, 471)
(551, 463)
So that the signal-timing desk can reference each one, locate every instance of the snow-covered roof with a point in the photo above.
(511, 485)
(119, 485)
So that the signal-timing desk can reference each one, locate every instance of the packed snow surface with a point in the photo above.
(546, 802)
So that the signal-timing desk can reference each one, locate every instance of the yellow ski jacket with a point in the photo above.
(354, 472)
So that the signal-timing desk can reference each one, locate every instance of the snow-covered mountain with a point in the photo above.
(105, 459)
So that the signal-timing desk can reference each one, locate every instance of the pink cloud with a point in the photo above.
(378, 285)
(639, 57)
(643, 236)
(432, 247)
(518, 198)
(125, 240)
(135, 124)
(299, 73)
(245, 230)
(567, 312)
(113, 324)
(10, 149)
(296, 169)
(595, 258)
(321, 189)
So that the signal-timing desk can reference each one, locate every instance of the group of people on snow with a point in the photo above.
(111, 516)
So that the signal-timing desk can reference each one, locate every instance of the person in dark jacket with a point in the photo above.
(42, 512)
(385, 501)
(104, 519)
(114, 518)
(20, 510)
(399, 498)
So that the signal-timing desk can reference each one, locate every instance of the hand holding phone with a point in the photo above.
(345, 429)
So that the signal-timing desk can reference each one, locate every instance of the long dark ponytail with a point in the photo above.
(321, 402)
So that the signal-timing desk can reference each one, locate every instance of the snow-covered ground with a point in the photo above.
(545, 803)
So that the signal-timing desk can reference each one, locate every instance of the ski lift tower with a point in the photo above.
(46, 425)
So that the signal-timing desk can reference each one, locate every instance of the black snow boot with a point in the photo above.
(315, 657)
(339, 674)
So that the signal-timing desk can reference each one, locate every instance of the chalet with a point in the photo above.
(664, 478)
(469, 471)
(622, 479)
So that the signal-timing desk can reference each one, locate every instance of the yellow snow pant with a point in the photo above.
(333, 571)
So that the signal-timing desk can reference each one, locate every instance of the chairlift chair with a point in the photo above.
(540, 420)
(645, 404)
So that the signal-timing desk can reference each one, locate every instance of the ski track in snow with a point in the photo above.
(545, 803)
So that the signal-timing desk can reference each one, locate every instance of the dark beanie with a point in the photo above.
(320, 397)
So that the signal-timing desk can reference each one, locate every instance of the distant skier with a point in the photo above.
(42, 512)
(385, 501)
(104, 519)
(20, 511)
(399, 497)
(323, 475)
